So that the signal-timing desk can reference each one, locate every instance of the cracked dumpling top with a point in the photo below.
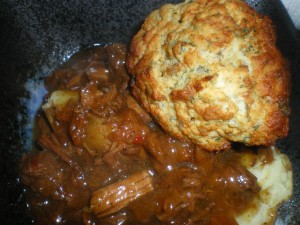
(209, 71)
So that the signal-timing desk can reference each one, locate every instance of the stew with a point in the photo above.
(101, 159)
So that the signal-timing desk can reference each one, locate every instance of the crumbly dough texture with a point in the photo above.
(209, 71)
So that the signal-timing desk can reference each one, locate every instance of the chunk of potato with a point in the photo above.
(60, 105)
(96, 138)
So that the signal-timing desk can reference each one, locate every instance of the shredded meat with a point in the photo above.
(51, 143)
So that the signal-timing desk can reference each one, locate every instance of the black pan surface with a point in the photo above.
(37, 36)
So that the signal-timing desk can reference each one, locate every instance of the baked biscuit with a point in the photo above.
(209, 71)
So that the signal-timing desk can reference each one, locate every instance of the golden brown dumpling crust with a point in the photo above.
(209, 71)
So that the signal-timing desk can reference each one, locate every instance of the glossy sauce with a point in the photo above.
(101, 136)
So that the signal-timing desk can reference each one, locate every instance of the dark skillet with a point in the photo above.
(38, 36)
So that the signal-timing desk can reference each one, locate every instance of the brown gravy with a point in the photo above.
(101, 136)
